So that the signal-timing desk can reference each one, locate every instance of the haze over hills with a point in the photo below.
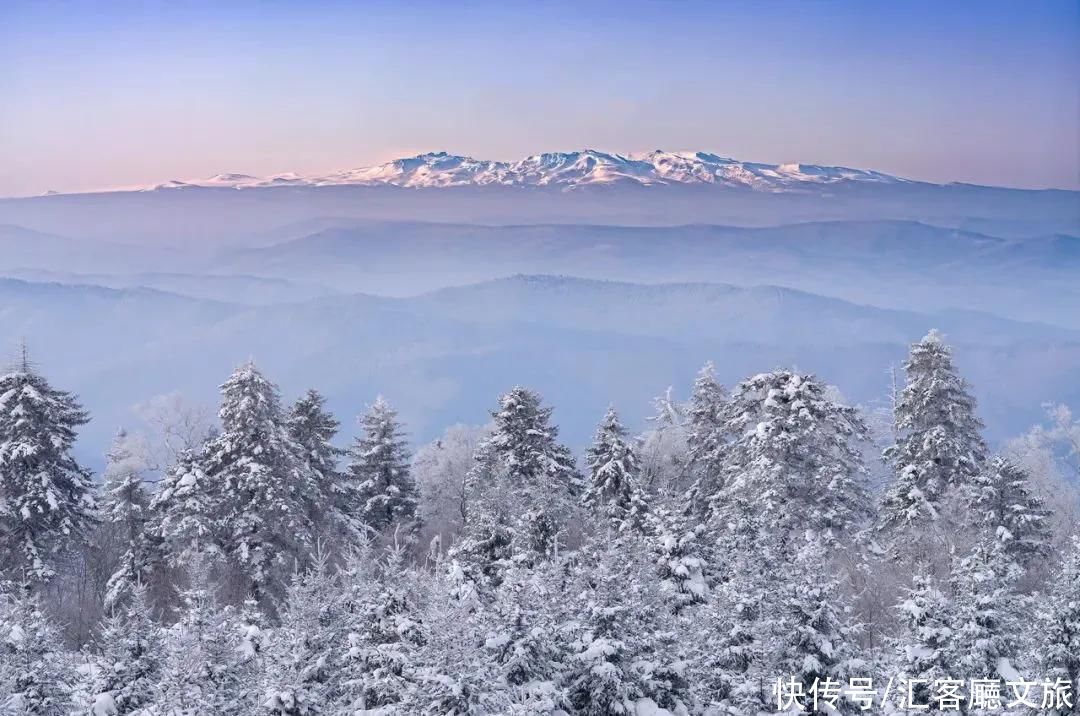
(443, 356)
(888, 263)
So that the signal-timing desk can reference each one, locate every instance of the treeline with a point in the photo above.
(740, 541)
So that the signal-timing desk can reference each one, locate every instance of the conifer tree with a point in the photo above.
(1006, 507)
(613, 488)
(730, 665)
(210, 667)
(46, 497)
(796, 456)
(525, 640)
(385, 632)
(809, 636)
(299, 661)
(682, 551)
(1059, 627)
(925, 646)
(184, 511)
(132, 658)
(313, 428)
(623, 659)
(939, 450)
(453, 670)
(706, 437)
(384, 493)
(125, 509)
(36, 673)
(260, 485)
(521, 488)
(987, 620)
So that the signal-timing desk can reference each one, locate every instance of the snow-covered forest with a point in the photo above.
(759, 547)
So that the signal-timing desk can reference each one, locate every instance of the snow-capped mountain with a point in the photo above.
(563, 169)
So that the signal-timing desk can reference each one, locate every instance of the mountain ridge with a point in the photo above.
(567, 170)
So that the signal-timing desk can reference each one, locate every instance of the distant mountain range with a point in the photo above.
(561, 169)
(442, 357)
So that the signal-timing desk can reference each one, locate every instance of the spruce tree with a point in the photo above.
(613, 488)
(796, 456)
(300, 673)
(520, 489)
(682, 549)
(706, 437)
(987, 616)
(313, 428)
(36, 672)
(939, 450)
(451, 670)
(1058, 636)
(1007, 509)
(132, 658)
(125, 510)
(924, 648)
(383, 491)
(525, 640)
(730, 661)
(205, 670)
(624, 658)
(260, 485)
(184, 511)
(384, 633)
(808, 633)
(46, 497)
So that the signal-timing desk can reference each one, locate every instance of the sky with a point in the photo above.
(101, 95)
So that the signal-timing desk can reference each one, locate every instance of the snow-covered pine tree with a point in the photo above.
(36, 672)
(682, 549)
(259, 484)
(453, 672)
(520, 489)
(925, 646)
(46, 497)
(939, 451)
(382, 635)
(132, 658)
(1012, 513)
(706, 437)
(624, 659)
(184, 510)
(125, 510)
(300, 672)
(1059, 627)
(795, 454)
(206, 670)
(728, 633)
(384, 493)
(525, 640)
(525, 444)
(807, 633)
(987, 620)
(613, 488)
(313, 428)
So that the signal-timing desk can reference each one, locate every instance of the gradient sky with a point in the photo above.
(96, 95)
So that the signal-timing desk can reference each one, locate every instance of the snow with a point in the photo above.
(104, 705)
(565, 169)
(648, 707)
(1007, 672)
